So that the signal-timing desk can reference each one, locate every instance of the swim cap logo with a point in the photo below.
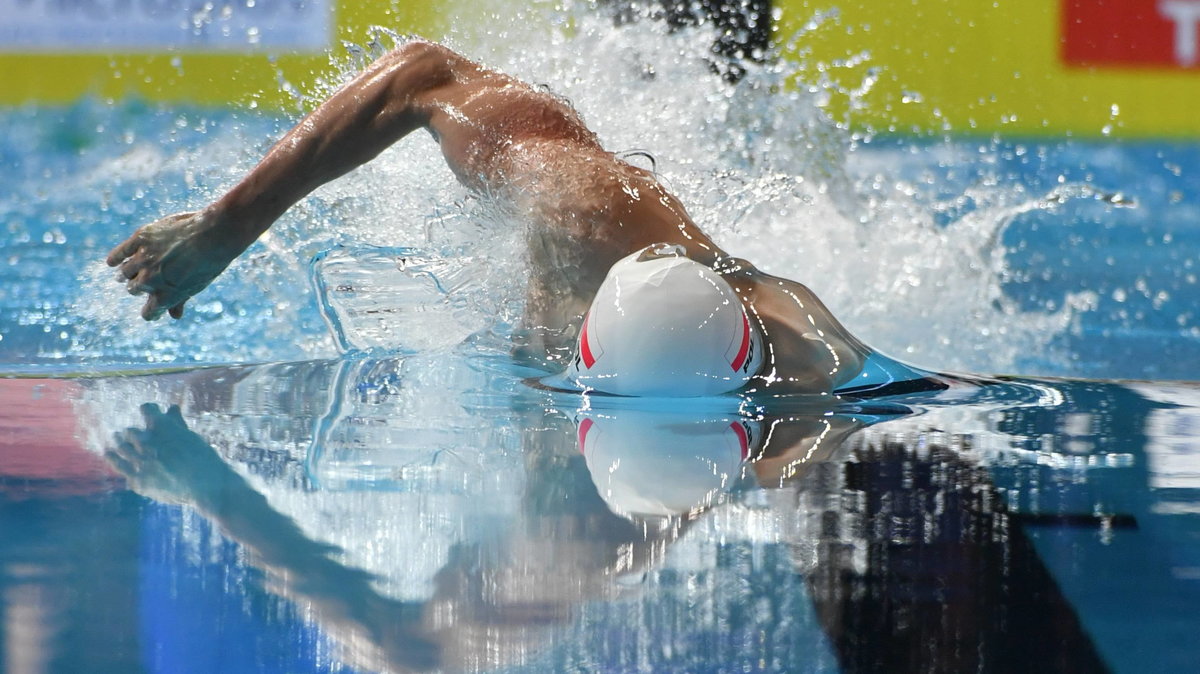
(588, 353)
(741, 359)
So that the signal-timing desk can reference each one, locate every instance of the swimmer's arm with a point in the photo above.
(176, 257)
(794, 446)
(169, 462)
(383, 104)
(809, 351)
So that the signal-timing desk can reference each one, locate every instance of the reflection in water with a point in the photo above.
(927, 570)
(662, 464)
(64, 604)
(437, 514)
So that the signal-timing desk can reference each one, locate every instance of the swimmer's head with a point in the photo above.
(664, 325)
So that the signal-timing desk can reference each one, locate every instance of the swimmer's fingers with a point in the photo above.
(122, 443)
(154, 417)
(139, 285)
(127, 446)
(162, 296)
(120, 463)
(136, 263)
(157, 303)
(153, 309)
(143, 284)
(126, 248)
(151, 413)
(149, 237)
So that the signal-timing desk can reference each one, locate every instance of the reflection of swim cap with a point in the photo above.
(665, 326)
(661, 464)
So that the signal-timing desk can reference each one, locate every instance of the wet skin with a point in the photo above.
(586, 208)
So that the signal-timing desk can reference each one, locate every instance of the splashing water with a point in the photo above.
(911, 243)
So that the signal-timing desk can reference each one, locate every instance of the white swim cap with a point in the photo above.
(656, 464)
(664, 325)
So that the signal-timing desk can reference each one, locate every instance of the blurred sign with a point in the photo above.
(1021, 68)
(1155, 33)
(194, 25)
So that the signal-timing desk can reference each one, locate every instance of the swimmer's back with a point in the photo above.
(502, 135)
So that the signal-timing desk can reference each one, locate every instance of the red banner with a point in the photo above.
(1140, 33)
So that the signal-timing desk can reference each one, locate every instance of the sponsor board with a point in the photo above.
(136, 25)
(1131, 33)
(1090, 68)
(256, 53)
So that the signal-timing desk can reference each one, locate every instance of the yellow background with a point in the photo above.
(964, 66)
(979, 67)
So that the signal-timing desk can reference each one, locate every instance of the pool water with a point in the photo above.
(384, 514)
(348, 489)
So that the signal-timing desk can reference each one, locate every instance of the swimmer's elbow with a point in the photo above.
(402, 83)
(419, 65)
(415, 48)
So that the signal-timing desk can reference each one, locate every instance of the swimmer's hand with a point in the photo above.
(166, 461)
(173, 259)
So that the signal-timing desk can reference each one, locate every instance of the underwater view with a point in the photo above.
(333, 463)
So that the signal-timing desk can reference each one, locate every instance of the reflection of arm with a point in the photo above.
(170, 462)
(488, 603)
(246, 516)
(794, 445)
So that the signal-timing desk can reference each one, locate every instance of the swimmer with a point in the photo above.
(587, 209)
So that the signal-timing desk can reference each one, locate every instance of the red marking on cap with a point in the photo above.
(740, 358)
(585, 349)
(743, 439)
(584, 427)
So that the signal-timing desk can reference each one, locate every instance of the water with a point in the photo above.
(350, 490)
(1018, 526)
